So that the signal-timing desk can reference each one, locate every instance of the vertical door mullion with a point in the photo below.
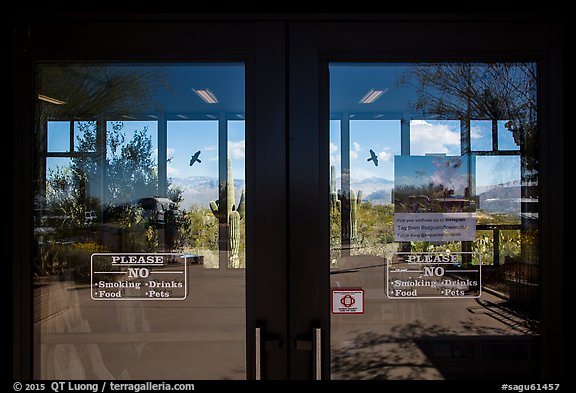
(266, 204)
(308, 209)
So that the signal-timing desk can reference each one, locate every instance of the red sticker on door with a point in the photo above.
(347, 300)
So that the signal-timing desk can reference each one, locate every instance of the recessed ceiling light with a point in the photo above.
(51, 100)
(206, 95)
(372, 96)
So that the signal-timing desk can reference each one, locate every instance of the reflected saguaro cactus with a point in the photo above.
(350, 200)
(355, 200)
(334, 201)
(233, 215)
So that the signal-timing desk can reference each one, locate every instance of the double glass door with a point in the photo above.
(203, 219)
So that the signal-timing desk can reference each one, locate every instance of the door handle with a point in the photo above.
(263, 343)
(258, 339)
(314, 345)
(317, 349)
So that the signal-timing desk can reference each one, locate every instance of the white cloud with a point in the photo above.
(475, 133)
(427, 137)
(384, 156)
(356, 148)
(209, 148)
(357, 173)
(171, 170)
(334, 155)
(236, 149)
(333, 148)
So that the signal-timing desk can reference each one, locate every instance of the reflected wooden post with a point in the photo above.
(101, 161)
(405, 151)
(162, 186)
(162, 156)
(345, 184)
(496, 242)
(223, 230)
(465, 149)
(40, 170)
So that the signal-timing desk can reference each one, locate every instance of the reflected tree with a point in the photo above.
(496, 91)
(101, 158)
(90, 91)
(417, 351)
(490, 91)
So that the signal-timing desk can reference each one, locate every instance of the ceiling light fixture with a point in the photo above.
(372, 96)
(206, 95)
(50, 100)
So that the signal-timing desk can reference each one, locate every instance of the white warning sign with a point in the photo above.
(347, 301)
(138, 276)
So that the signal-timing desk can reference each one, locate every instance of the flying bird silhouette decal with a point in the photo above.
(195, 158)
(373, 157)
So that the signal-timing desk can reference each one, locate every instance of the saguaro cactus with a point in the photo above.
(353, 224)
(351, 200)
(334, 201)
(233, 214)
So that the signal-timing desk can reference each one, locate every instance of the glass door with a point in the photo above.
(140, 201)
(152, 172)
(434, 255)
(416, 251)
(259, 198)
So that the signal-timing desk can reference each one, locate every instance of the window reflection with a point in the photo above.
(481, 135)
(507, 138)
(430, 137)
(483, 114)
(498, 187)
(117, 172)
(58, 136)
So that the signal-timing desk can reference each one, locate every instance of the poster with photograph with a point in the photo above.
(434, 198)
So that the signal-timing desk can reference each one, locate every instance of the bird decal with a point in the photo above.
(195, 158)
(373, 157)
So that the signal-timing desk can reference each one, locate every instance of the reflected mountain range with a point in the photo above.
(500, 198)
(497, 198)
(201, 190)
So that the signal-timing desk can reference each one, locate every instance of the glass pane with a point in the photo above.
(508, 135)
(439, 278)
(481, 135)
(199, 183)
(140, 260)
(430, 137)
(499, 189)
(58, 136)
(85, 136)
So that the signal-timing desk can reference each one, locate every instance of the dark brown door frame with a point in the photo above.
(260, 45)
(312, 45)
(287, 145)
